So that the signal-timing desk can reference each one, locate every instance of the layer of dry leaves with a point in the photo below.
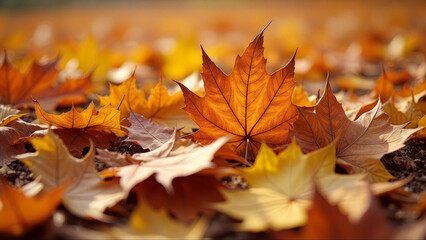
(213, 154)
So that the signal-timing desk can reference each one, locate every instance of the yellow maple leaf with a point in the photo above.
(301, 98)
(281, 188)
(396, 117)
(160, 107)
(86, 57)
(150, 223)
(408, 111)
(421, 123)
(183, 60)
(145, 223)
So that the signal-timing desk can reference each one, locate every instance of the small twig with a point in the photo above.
(245, 155)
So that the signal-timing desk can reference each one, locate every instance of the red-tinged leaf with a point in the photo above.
(249, 104)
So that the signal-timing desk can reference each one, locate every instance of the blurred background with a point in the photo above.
(161, 39)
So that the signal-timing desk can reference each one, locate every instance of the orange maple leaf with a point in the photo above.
(77, 128)
(159, 107)
(384, 87)
(40, 83)
(20, 213)
(250, 104)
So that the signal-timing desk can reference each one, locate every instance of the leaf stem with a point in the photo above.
(121, 101)
(247, 144)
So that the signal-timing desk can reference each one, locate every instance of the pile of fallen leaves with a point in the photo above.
(250, 154)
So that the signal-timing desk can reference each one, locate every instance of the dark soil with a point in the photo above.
(409, 159)
(123, 146)
(100, 165)
(120, 146)
(17, 173)
(29, 117)
(401, 163)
